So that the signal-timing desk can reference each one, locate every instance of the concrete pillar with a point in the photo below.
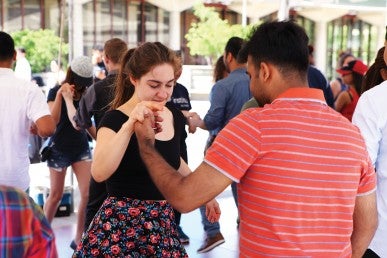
(320, 47)
(381, 35)
(76, 23)
(174, 28)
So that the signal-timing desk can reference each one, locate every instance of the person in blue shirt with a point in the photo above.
(227, 97)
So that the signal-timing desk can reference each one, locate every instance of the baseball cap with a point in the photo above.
(82, 66)
(83, 70)
(355, 66)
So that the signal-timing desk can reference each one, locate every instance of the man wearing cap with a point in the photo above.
(22, 110)
(371, 117)
(352, 75)
(70, 147)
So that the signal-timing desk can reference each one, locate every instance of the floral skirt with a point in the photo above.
(125, 227)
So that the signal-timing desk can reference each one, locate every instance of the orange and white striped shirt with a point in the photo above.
(300, 166)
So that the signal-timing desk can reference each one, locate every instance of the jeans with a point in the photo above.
(211, 229)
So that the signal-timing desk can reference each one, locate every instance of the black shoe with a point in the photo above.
(184, 239)
(73, 245)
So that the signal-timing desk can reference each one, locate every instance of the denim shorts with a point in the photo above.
(59, 159)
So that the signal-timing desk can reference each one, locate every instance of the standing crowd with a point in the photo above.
(305, 157)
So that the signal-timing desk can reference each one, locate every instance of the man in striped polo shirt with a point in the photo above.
(306, 183)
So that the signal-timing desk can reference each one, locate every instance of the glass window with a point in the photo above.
(120, 29)
(52, 15)
(151, 18)
(134, 24)
(350, 34)
(88, 25)
(163, 27)
(32, 16)
(12, 15)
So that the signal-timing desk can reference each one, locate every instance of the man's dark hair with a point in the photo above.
(7, 46)
(233, 46)
(284, 44)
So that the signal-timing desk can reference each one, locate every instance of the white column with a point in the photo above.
(283, 12)
(320, 45)
(174, 30)
(381, 35)
(244, 13)
(76, 23)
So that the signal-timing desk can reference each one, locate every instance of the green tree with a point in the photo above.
(42, 46)
(208, 36)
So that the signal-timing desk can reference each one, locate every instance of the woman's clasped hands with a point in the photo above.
(67, 91)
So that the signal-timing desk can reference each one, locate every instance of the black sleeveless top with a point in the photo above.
(131, 179)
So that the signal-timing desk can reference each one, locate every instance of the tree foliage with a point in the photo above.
(209, 35)
(42, 46)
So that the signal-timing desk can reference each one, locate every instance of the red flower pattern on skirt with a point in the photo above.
(125, 227)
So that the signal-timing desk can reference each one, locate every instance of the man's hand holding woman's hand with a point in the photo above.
(213, 211)
(147, 120)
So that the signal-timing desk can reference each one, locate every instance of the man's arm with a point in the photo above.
(184, 193)
(365, 221)
(45, 126)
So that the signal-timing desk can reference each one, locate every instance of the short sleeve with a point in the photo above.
(113, 119)
(37, 105)
(236, 147)
(367, 178)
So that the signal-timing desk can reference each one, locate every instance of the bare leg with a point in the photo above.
(57, 179)
(82, 172)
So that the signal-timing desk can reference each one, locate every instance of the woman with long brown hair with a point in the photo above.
(136, 220)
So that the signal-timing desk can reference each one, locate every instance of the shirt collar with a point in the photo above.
(311, 94)
(6, 70)
(239, 70)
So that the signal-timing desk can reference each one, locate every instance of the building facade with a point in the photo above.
(342, 26)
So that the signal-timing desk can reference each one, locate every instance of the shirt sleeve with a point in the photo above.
(25, 231)
(37, 105)
(235, 148)
(366, 119)
(367, 178)
(43, 245)
(215, 116)
(85, 109)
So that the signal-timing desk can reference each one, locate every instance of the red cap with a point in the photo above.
(355, 66)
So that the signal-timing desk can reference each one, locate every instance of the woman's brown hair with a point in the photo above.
(373, 76)
(138, 62)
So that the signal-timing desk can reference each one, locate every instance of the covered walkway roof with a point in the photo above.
(373, 11)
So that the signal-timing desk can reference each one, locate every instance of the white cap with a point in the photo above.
(82, 66)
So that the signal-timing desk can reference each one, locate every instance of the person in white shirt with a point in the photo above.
(22, 67)
(371, 117)
(23, 109)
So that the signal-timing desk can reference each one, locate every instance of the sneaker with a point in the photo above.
(211, 243)
(184, 239)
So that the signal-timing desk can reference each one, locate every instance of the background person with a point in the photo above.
(376, 73)
(70, 146)
(180, 98)
(337, 85)
(24, 230)
(22, 67)
(23, 110)
(371, 117)
(227, 97)
(352, 76)
(93, 105)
